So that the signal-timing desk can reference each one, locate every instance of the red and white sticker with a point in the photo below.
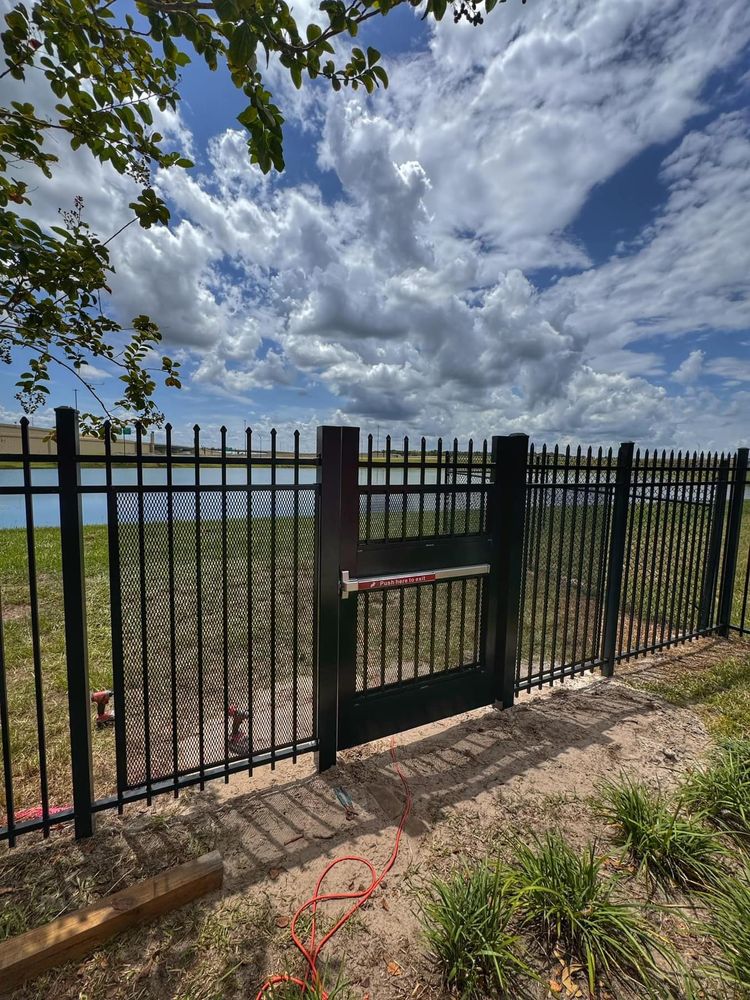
(396, 581)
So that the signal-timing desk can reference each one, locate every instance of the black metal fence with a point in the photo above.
(205, 593)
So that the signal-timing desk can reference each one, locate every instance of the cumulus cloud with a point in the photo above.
(690, 368)
(410, 298)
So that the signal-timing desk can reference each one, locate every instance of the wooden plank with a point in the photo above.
(75, 934)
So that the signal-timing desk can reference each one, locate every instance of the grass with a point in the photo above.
(563, 897)
(19, 649)
(467, 919)
(729, 929)
(721, 789)
(719, 692)
(666, 842)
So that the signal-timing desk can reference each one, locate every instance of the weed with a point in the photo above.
(721, 789)
(667, 843)
(467, 921)
(561, 895)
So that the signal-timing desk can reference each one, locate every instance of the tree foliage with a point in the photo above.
(108, 66)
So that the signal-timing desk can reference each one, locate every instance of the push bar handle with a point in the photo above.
(352, 585)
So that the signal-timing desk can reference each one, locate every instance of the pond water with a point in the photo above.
(46, 506)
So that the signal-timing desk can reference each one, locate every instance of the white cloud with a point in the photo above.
(408, 298)
(690, 368)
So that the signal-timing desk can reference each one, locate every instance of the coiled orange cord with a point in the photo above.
(311, 953)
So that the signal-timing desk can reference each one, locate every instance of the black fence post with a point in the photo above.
(338, 449)
(74, 609)
(616, 559)
(506, 511)
(711, 568)
(731, 549)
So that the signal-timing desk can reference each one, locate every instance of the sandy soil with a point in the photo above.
(475, 778)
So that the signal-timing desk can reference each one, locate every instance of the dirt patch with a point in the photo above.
(475, 778)
(16, 612)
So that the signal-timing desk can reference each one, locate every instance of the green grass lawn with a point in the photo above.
(561, 613)
(719, 692)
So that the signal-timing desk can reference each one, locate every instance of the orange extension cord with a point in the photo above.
(312, 952)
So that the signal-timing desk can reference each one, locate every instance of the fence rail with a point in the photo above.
(203, 589)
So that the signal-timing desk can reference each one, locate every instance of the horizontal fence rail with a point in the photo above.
(197, 591)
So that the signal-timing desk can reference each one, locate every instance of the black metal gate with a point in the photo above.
(412, 543)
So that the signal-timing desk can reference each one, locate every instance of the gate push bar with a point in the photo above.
(352, 586)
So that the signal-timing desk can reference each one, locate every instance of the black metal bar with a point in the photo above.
(469, 483)
(579, 577)
(448, 622)
(143, 612)
(35, 638)
(603, 553)
(273, 603)
(506, 510)
(528, 532)
(665, 521)
(541, 473)
(571, 549)
(436, 524)
(731, 549)
(225, 603)
(590, 574)
(366, 642)
(705, 531)
(455, 484)
(558, 581)
(172, 612)
(678, 588)
(686, 602)
(387, 494)
(295, 606)
(368, 522)
(433, 622)
(420, 531)
(400, 633)
(548, 563)
(616, 554)
(198, 605)
(711, 571)
(330, 445)
(405, 474)
(417, 626)
(74, 605)
(383, 631)
(249, 586)
(115, 601)
(653, 538)
(5, 735)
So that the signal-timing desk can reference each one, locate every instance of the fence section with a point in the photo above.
(569, 499)
(215, 653)
(205, 589)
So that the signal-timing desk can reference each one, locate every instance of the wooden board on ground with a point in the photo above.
(75, 934)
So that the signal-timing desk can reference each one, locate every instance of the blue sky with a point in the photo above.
(543, 225)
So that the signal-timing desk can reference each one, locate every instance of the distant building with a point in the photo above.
(41, 442)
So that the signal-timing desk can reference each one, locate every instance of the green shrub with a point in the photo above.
(667, 843)
(467, 921)
(721, 789)
(562, 895)
(729, 927)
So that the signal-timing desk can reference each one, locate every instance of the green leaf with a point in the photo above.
(373, 55)
(226, 9)
(242, 44)
(438, 9)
